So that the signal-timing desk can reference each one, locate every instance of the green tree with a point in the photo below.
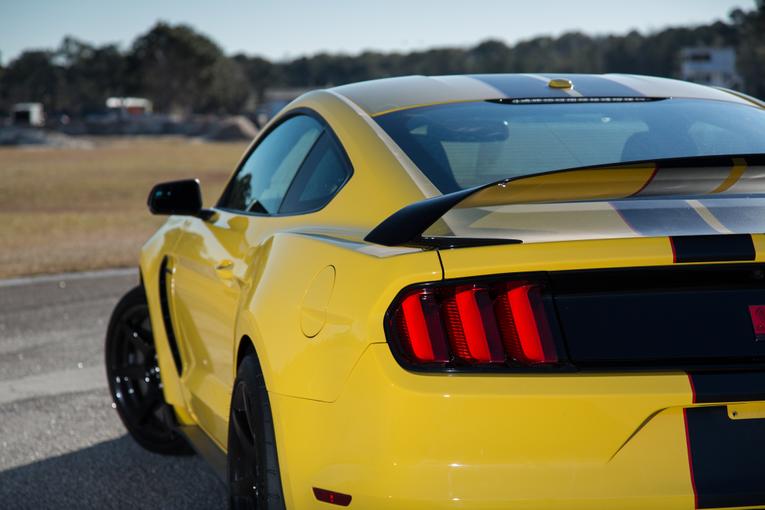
(177, 67)
(181, 70)
(229, 89)
(90, 75)
(751, 49)
(260, 74)
(32, 77)
(3, 103)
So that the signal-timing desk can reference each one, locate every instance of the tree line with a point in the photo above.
(184, 71)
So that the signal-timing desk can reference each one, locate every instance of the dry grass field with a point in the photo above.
(80, 209)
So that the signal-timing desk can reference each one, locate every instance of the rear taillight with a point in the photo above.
(419, 324)
(525, 330)
(493, 324)
(471, 324)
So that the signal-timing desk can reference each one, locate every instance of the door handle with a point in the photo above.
(225, 269)
(224, 265)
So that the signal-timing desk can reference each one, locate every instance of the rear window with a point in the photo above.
(462, 145)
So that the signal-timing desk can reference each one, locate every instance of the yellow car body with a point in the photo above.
(310, 296)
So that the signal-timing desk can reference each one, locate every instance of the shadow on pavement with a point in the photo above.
(112, 474)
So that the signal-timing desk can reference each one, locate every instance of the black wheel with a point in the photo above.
(134, 380)
(253, 466)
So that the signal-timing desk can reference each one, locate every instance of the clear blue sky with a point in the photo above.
(286, 29)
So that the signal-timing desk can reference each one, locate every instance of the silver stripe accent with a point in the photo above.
(751, 181)
(666, 87)
(707, 216)
(670, 181)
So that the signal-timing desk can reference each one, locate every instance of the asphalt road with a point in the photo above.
(61, 443)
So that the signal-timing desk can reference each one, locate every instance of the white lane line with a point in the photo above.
(52, 383)
(84, 275)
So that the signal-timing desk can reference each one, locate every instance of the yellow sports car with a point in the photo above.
(478, 292)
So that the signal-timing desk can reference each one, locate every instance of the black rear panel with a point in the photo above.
(726, 458)
(666, 317)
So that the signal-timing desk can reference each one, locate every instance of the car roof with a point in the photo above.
(377, 97)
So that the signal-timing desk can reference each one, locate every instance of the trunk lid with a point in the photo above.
(629, 303)
(678, 316)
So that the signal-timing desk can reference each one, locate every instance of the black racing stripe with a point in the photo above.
(710, 387)
(713, 161)
(713, 248)
(653, 218)
(597, 86)
(727, 458)
(519, 86)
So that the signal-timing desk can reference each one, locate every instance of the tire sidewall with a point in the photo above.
(176, 445)
(270, 495)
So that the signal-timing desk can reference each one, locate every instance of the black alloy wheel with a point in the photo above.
(134, 379)
(253, 467)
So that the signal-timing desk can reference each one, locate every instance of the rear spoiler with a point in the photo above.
(693, 177)
(407, 226)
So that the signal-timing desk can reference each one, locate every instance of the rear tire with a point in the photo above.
(253, 465)
(134, 382)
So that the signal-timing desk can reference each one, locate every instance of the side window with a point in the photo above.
(324, 172)
(266, 175)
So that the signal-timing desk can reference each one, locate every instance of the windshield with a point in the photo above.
(462, 145)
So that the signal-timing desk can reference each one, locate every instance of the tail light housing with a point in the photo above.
(502, 323)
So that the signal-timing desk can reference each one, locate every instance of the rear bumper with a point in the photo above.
(394, 439)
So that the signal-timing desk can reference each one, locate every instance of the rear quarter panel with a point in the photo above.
(275, 309)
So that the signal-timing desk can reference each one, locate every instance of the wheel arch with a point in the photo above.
(246, 348)
(251, 345)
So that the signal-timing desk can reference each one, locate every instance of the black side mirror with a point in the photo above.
(176, 197)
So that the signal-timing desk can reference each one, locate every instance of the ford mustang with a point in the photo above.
(484, 292)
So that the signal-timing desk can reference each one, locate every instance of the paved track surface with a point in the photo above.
(61, 443)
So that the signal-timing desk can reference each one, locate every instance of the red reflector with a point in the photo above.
(757, 313)
(335, 498)
(420, 325)
(472, 326)
(523, 327)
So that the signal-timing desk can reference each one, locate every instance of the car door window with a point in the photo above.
(266, 175)
(322, 175)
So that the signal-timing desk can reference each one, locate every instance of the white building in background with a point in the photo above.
(129, 106)
(710, 66)
(28, 114)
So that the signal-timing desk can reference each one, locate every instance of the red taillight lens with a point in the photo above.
(419, 325)
(525, 331)
(757, 314)
(474, 324)
(472, 327)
